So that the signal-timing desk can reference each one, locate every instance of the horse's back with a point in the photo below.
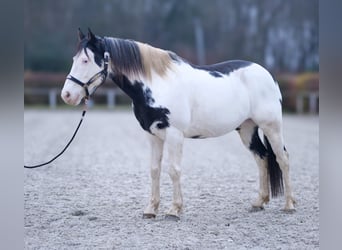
(225, 67)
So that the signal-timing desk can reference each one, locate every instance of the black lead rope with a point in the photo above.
(72, 138)
(102, 74)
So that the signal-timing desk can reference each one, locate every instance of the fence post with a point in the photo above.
(313, 103)
(52, 98)
(299, 103)
(111, 98)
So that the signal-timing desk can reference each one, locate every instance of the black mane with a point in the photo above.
(126, 56)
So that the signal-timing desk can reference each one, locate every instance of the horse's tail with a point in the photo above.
(274, 171)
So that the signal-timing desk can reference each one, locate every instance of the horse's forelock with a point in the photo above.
(86, 44)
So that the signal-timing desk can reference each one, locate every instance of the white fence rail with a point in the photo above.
(53, 93)
(111, 97)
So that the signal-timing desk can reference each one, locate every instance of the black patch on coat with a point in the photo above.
(174, 57)
(224, 67)
(256, 145)
(197, 137)
(142, 103)
(215, 74)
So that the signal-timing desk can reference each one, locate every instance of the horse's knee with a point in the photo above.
(174, 172)
(155, 172)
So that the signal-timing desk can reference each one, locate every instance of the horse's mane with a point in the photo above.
(137, 59)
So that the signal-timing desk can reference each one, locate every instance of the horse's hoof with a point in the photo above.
(149, 216)
(172, 217)
(256, 209)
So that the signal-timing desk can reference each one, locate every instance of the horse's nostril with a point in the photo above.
(67, 94)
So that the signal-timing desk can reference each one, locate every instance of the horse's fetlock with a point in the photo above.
(266, 199)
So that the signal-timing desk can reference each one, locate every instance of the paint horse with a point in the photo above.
(173, 99)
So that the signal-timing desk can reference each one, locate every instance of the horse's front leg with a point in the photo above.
(156, 156)
(172, 156)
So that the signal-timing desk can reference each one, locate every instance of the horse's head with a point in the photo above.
(88, 70)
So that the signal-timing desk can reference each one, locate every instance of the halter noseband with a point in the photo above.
(103, 74)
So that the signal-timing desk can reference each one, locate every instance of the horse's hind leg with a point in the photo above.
(156, 156)
(275, 145)
(248, 132)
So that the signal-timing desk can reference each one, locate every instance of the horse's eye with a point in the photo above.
(85, 61)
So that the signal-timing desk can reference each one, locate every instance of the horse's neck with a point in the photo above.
(135, 89)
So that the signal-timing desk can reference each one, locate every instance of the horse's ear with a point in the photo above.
(80, 34)
(91, 36)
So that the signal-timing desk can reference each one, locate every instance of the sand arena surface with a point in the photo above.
(93, 196)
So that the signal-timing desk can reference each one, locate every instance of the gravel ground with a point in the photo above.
(94, 195)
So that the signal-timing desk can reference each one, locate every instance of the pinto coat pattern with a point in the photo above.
(173, 99)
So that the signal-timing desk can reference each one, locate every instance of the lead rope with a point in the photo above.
(72, 138)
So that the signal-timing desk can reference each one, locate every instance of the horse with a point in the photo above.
(173, 99)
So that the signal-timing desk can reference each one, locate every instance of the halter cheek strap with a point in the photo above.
(103, 74)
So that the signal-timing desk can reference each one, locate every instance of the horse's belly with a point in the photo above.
(210, 126)
(215, 119)
(217, 109)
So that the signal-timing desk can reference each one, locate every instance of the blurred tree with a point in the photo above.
(282, 35)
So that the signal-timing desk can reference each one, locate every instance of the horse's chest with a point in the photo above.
(147, 115)
(143, 103)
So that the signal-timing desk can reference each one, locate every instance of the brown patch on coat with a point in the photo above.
(154, 59)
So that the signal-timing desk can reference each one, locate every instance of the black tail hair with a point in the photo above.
(274, 172)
